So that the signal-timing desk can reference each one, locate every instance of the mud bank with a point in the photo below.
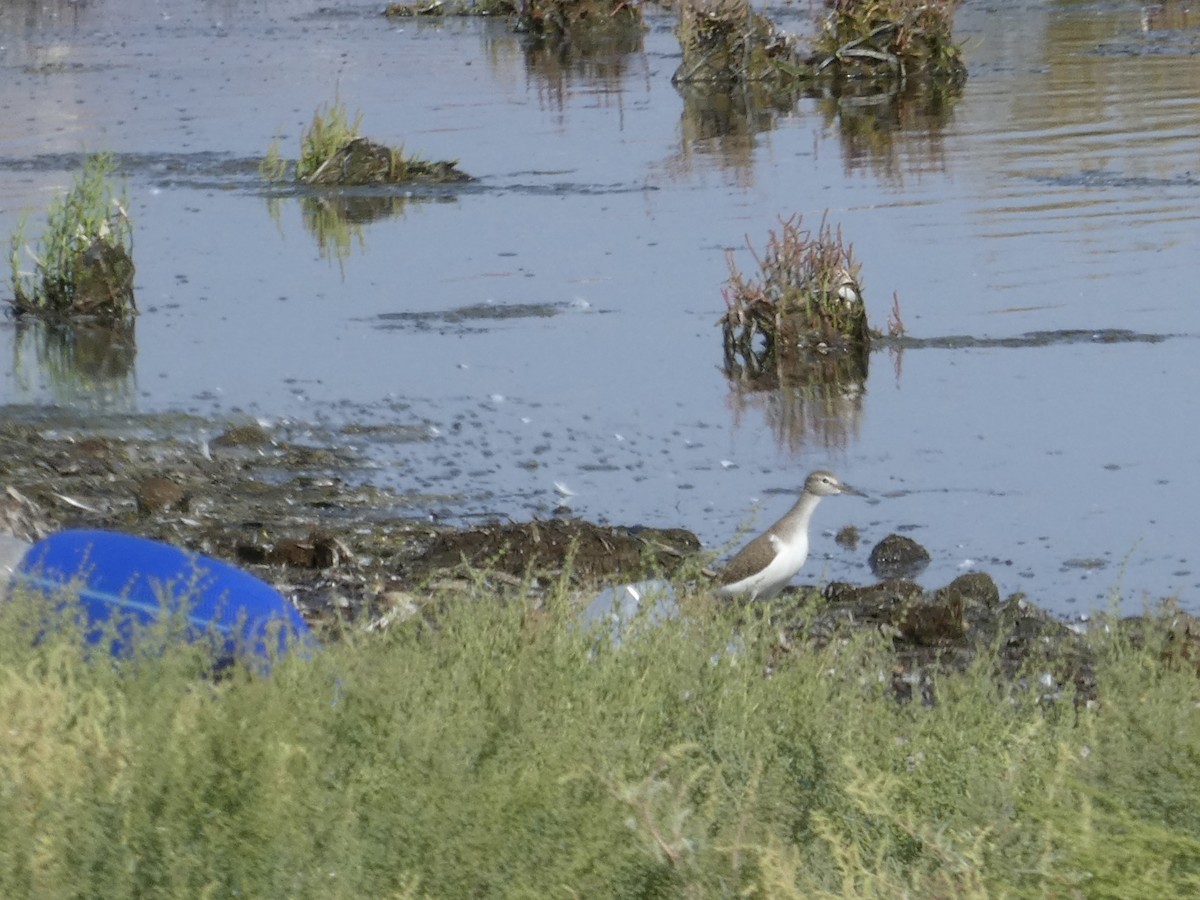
(352, 556)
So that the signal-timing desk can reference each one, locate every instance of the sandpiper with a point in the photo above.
(762, 568)
(846, 287)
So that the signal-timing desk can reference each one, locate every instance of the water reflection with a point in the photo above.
(336, 227)
(893, 134)
(601, 65)
(805, 397)
(596, 65)
(337, 219)
(722, 123)
(83, 363)
(1172, 15)
(884, 134)
(20, 16)
(1096, 143)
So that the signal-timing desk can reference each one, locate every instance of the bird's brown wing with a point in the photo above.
(748, 560)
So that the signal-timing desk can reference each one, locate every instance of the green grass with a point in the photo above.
(333, 152)
(273, 166)
(505, 753)
(330, 130)
(82, 263)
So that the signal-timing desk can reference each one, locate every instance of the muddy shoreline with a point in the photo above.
(300, 515)
(353, 556)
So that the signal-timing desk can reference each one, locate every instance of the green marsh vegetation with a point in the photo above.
(493, 748)
(83, 261)
(330, 130)
(333, 152)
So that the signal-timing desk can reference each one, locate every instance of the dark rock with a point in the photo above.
(973, 590)
(936, 620)
(877, 606)
(897, 556)
(157, 494)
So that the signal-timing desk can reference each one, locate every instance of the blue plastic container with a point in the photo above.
(125, 583)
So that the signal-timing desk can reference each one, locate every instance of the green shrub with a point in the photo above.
(503, 751)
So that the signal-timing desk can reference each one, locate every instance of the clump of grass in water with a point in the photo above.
(273, 166)
(331, 130)
(567, 20)
(333, 152)
(728, 42)
(504, 751)
(890, 39)
(83, 264)
(807, 292)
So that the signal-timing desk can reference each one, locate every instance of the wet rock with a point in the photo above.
(157, 494)
(976, 591)
(897, 556)
(942, 631)
(877, 605)
(886, 595)
(936, 620)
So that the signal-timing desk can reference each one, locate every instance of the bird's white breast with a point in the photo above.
(765, 584)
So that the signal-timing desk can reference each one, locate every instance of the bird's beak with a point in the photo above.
(847, 489)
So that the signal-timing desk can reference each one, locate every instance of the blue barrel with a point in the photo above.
(125, 583)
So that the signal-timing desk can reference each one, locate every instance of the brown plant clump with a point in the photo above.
(727, 42)
(889, 40)
(572, 20)
(83, 264)
(886, 41)
(807, 296)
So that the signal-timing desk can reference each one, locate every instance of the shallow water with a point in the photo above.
(551, 328)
